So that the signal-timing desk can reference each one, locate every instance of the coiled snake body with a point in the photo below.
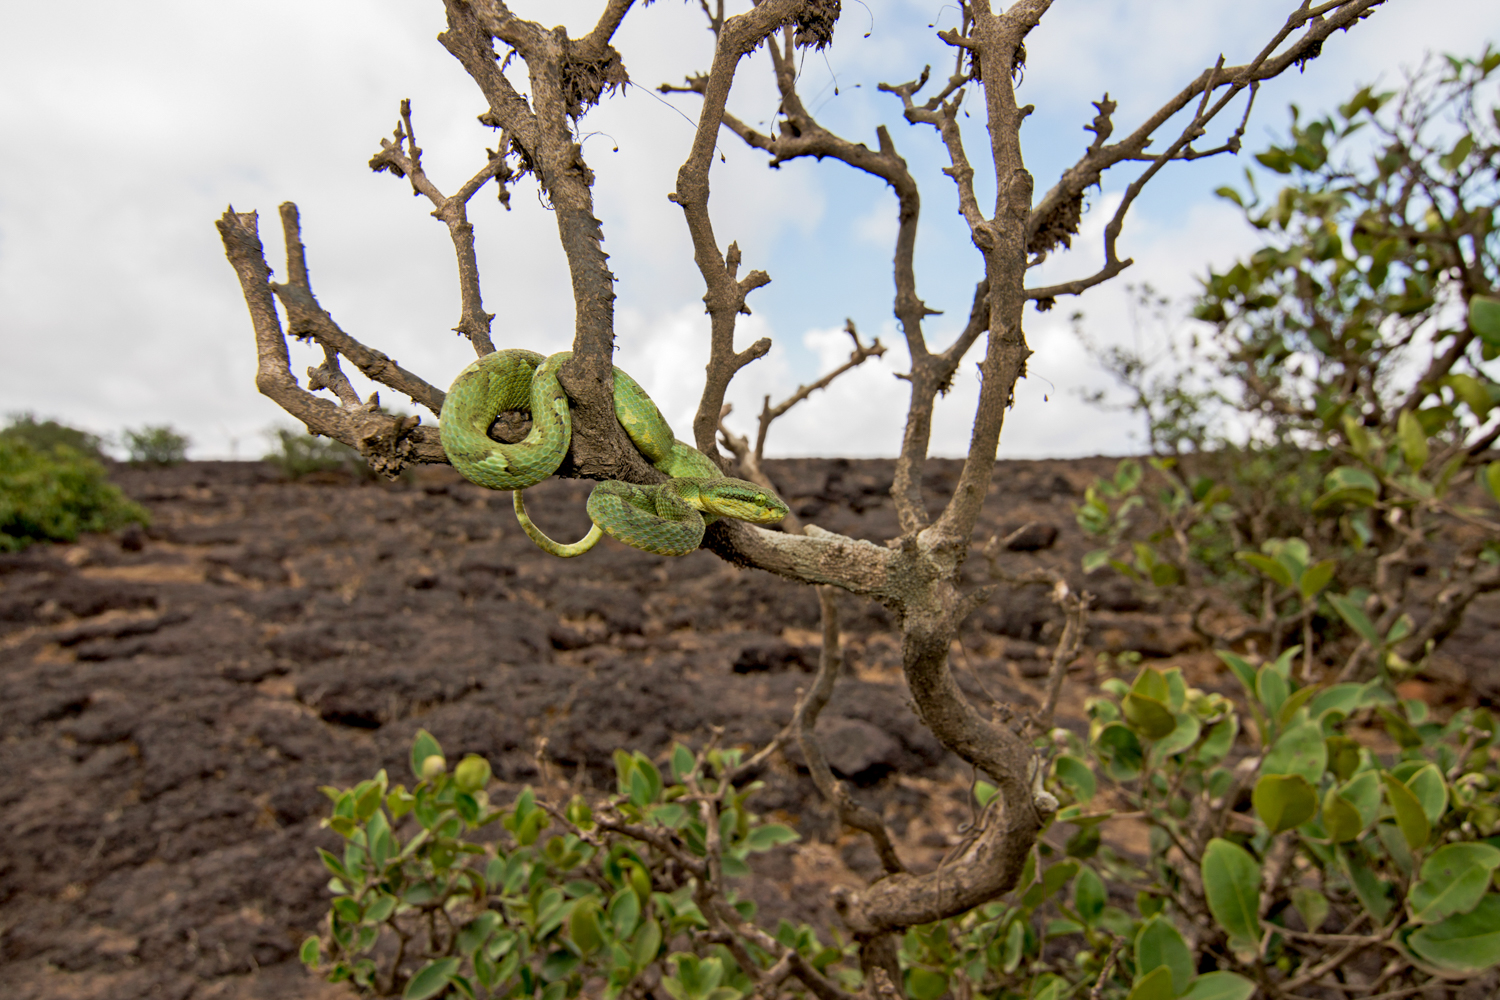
(668, 519)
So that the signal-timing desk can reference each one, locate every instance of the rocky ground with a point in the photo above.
(170, 700)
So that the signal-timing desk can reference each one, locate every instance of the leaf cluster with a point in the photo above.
(54, 494)
(156, 445)
(422, 908)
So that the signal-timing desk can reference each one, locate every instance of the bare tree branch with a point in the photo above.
(849, 812)
(388, 443)
(1055, 217)
(403, 157)
(857, 357)
(725, 295)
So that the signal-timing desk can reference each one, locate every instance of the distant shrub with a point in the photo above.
(298, 454)
(45, 435)
(55, 494)
(156, 445)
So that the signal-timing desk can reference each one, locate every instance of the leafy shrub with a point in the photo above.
(297, 454)
(45, 435)
(156, 445)
(1357, 344)
(53, 495)
(1259, 868)
(419, 908)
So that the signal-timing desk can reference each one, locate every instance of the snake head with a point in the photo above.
(743, 501)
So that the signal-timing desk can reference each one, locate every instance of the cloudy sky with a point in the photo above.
(128, 131)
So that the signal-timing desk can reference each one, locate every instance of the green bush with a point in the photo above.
(45, 435)
(298, 454)
(54, 495)
(156, 445)
(1259, 867)
(420, 909)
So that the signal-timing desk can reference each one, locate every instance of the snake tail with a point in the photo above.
(548, 545)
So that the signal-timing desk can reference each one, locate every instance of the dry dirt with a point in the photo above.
(171, 700)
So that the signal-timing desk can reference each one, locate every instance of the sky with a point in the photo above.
(128, 132)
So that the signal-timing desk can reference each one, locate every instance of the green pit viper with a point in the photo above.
(668, 519)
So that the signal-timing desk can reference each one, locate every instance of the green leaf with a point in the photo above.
(1054, 878)
(1120, 751)
(925, 984)
(1048, 987)
(1160, 945)
(1147, 716)
(1015, 944)
(1410, 816)
(1269, 567)
(1271, 687)
(1465, 943)
(311, 952)
(1400, 730)
(1454, 879)
(431, 979)
(647, 944)
(1230, 194)
(1340, 818)
(1430, 789)
(1363, 792)
(1153, 684)
(1316, 577)
(1352, 613)
(1185, 732)
(1299, 750)
(625, 912)
(1373, 892)
(1089, 895)
(559, 965)
(1312, 906)
(1342, 698)
(1343, 756)
(1413, 440)
(1484, 319)
(1220, 986)
(1156, 985)
(1284, 801)
(1348, 484)
(1455, 157)
(381, 907)
(1219, 741)
(1231, 883)
(763, 838)
(1076, 776)
(583, 926)
(1472, 392)
(424, 745)
(1241, 668)
(1491, 479)
(682, 761)
(1293, 703)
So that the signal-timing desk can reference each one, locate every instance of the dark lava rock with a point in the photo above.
(770, 653)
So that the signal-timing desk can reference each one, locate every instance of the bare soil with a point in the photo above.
(170, 700)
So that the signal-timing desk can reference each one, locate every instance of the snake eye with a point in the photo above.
(760, 498)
